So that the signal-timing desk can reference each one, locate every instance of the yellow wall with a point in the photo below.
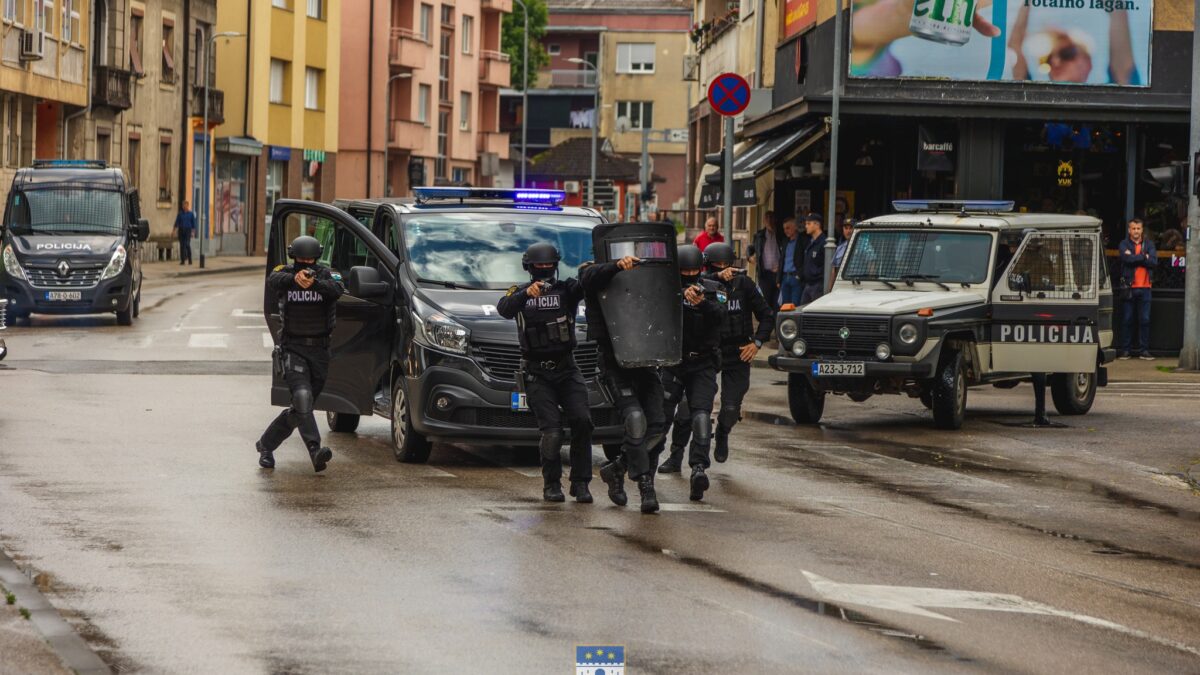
(665, 88)
(27, 81)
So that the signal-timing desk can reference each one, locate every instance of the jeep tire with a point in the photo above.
(1073, 393)
(409, 446)
(807, 404)
(949, 391)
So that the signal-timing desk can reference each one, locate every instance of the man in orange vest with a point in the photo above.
(1138, 258)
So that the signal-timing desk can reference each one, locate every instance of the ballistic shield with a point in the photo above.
(643, 307)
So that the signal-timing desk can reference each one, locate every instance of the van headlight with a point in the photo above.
(908, 334)
(439, 331)
(115, 264)
(788, 329)
(11, 265)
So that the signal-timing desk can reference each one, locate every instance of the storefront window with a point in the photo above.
(230, 209)
(275, 173)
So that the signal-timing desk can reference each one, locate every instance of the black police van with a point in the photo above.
(71, 241)
(418, 339)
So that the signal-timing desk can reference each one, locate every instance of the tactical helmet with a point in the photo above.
(305, 247)
(540, 254)
(690, 258)
(719, 253)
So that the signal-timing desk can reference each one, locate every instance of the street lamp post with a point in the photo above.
(524, 89)
(595, 124)
(208, 142)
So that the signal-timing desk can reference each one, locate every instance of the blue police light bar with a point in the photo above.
(70, 164)
(516, 196)
(977, 205)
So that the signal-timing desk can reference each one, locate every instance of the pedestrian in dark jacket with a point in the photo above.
(185, 225)
(766, 252)
(1138, 258)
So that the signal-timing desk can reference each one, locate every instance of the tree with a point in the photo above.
(514, 31)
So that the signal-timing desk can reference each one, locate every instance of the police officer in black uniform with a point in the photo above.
(696, 375)
(545, 312)
(636, 392)
(307, 295)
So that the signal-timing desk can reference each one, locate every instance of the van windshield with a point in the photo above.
(947, 257)
(483, 250)
(68, 211)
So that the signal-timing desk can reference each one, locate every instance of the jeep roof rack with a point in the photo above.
(960, 205)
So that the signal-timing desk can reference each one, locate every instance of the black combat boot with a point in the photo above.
(579, 490)
(266, 458)
(552, 492)
(721, 451)
(674, 461)
(649, 498)
(613, 475)
(699, 483)
(320, 457)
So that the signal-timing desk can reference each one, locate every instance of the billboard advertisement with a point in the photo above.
(1095, 42)
(798, 16)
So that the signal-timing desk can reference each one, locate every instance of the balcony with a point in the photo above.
(494, 69)
(579, 78)
(407, 135)
(505, 6)
(111, 88)
(409, 50)
(492, 141)
(216, 105)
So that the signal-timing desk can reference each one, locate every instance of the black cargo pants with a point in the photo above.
(304, 370)
(696, 381)
(637, 393)
(547, 391)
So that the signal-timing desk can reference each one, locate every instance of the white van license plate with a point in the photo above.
(64, 295)
(519, 403)
(839, 369)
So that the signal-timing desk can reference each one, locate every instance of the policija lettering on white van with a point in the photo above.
(1072, 334)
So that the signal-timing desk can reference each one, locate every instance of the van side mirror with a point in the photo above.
(142, 231)
(364, 283)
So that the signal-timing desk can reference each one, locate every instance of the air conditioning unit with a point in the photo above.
(571, 187)
(691, 67)
(33, 45)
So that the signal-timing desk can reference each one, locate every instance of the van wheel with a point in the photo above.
(408, 445)
(137, 305)
(806, 403)
(125, 317)
(1073, 393)
(950, 392)
(342, 422)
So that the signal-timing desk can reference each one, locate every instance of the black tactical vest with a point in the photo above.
(701, 332)
(306, 313)
(738, 325)
(546, 324)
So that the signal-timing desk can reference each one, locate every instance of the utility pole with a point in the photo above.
(646, 176)
(1189, 355)
(830, 226)
(524, 91)
(727, 182)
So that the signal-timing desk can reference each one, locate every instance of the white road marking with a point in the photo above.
(528, 472)
(268, 343)
(914, 600)
(693, 507)
(208, 340)
(253, 327)
(251, 313)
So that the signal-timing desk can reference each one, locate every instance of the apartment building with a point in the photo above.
(446, 70)
(280, 82)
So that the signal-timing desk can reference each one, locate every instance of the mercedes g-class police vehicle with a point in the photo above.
(418, 339)
(71, 241)
(946, 295)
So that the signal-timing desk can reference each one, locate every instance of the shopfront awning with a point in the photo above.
(752, 159)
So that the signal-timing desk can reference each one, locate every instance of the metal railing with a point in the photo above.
(567, 79)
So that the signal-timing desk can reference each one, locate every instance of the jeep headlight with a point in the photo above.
(788, 329)
(115, 264)
(908, 334)
(11, 265)
(883, 351)
(437, 330)
(799, 347)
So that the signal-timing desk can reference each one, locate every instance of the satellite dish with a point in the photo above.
(623, 124)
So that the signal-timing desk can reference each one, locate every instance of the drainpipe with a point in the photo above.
(91, 77)
(249, 69)
(758, 44)
(370, 89)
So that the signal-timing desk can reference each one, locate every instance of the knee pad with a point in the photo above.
(302, 401)
(729, 416)
(551, 443)
(635, 424)
(701, 427)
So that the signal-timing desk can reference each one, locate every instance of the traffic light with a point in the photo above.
(648, 195)
(716, 159)
(1171, 179)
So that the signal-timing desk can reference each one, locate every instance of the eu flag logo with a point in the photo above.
(599, 660)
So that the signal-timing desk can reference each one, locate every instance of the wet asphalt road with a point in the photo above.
(128, 480)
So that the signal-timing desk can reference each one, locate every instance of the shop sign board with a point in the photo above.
(798, 16)
(1093, 42)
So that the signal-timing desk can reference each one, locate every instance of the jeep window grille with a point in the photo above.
(899, 255)
(68, 209)
(1055, 266)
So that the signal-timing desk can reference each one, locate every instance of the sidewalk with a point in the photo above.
(171, 269)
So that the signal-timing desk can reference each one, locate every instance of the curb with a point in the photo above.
(62, 638)
(223, 270)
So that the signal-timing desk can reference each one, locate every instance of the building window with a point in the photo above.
(444, 67)
(168, 52)
(640, 114)
(468, 30)
(135, 44)
(201, 42)
(553, 49)
(316, 9)
(43, 15)
(282, 4)
(275, 173)
(461, 176)
(278, 74)
(11, 157)
(426, 21)
(103, 144)
(312, 88)
(443, 143)
(164, 166)
(135, 162)
(10, 9)
(635, 57)
(464, 110)
(423, 92)
(70, 21)
(448, 15)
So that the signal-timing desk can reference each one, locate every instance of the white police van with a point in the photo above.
(946, 295)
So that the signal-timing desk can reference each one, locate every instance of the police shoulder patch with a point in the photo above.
(511, 290)
(336, 276)
(278, 267)
(721, 297)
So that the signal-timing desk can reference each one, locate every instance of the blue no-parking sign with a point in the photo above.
(729, 94)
